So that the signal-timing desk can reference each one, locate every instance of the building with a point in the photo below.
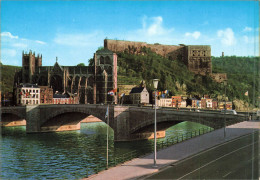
(176, 101)
(196, 57)
(183, 104)
(214, 104)
(209, 103)
(219, 77)
(27, 94)
(196, 103)
(90, 83)
(64, 99)
(46, 94)
(165, 102)
(203, 103)
(139, 95)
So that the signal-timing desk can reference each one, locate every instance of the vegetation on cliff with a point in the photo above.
(7, 77)
(175, 77)
(173, 74)
(243, 76)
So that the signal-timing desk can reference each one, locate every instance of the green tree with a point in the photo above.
(81, 64)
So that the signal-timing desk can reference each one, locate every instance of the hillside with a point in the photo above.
(174, 75)
(243, 75)
(7, 77)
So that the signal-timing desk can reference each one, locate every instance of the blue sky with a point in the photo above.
(73, 30)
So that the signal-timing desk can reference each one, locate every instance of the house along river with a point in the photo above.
(67, 155)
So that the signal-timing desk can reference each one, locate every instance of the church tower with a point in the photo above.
(105, 75)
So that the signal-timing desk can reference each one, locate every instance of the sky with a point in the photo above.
(72, 31)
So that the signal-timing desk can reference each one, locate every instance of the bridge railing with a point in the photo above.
(145, 150)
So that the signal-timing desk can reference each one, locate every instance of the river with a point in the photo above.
(67, 155)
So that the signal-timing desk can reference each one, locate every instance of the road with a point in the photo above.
(236, 159)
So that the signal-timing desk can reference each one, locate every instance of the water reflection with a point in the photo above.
(66, 155)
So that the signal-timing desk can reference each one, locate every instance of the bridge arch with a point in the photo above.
(100, 114)
(13, 113)
(13, 116)
(164, 123)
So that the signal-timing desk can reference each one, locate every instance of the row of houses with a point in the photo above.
(203, 103)
(140, 95)
(32, 94)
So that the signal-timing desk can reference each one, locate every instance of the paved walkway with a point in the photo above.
(140, 167)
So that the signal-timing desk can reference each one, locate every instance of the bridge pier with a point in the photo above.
(33, 118)
(124, 118)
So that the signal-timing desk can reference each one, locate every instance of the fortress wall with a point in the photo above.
(120, 45)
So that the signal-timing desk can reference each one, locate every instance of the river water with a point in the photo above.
(67, 155)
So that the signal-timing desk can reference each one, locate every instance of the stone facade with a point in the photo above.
(46, 95)
(89, 83)
(27, 94)
(219, 77)
(196, 57)
(139, 95)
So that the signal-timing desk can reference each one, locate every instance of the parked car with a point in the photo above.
(228, 112)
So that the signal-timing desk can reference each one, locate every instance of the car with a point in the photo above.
(228, 111)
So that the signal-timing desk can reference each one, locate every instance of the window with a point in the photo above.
(107, 60)
(101, 60)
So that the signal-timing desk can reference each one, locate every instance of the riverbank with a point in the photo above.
(141, 167)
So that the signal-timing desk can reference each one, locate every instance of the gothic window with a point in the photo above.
(109, 70)
(77, 81)
(42, 81)
(70, 81)
(83, 81)
(56, 83)
(107, 60)
(91, 81)
(101, 60)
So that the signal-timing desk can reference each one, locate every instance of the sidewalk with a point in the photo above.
(140, 167)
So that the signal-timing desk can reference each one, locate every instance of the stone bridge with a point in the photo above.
(128, 122)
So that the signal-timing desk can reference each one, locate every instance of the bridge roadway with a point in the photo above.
(128, 122)
(171, 157)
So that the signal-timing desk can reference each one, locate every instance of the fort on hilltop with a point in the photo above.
(196, 57)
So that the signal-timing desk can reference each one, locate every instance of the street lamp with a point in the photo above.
(225, 109)
(155, 84)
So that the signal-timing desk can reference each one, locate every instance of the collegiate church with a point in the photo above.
(89, 83)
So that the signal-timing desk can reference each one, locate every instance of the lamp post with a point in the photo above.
(225, 83)
(155, 84)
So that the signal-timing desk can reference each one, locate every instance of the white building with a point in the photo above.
(139, 95)
(27, 94)
(209, 103)
(183, 104)
(165, 102)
